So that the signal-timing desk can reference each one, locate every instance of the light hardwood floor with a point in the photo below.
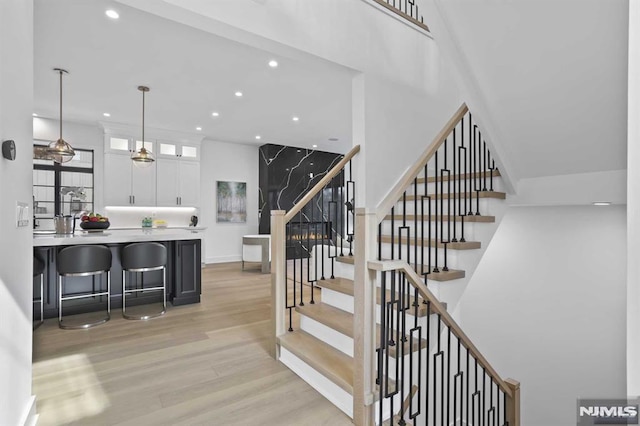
(202, 364)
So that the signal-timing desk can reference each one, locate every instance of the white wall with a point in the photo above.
(400, 123)
(223, 161)
(16, 292)
(575, 189)
(79, 136)
(546, 306)
(633, 204)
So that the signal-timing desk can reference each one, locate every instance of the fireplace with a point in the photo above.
(302, 236)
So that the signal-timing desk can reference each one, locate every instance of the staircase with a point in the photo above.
(364, 326)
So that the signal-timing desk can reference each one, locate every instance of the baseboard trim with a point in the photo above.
(30, 417)
(223, 259)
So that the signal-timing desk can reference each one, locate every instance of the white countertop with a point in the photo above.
(113, 236)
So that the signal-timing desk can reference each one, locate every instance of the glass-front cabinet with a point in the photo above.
(62, 189)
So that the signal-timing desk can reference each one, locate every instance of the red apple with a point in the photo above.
(93, 219)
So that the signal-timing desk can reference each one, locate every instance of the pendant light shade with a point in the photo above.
(60, 151)
(143, 157)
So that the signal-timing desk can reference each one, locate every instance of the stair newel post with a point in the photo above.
(278, 278)
(364, 319)
(512, 404)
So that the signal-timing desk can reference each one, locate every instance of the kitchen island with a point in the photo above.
(183, 274)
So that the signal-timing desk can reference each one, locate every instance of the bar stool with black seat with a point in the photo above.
(144, 257)
(83, 261)
(38, 270)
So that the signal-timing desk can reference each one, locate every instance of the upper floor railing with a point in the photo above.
(407, 9)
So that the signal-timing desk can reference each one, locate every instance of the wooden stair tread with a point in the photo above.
(451, 274)
(330, 316)
(345, 286)
(467, 245)
(436, 218)
(346, 259)
(342, 322)
(430, 179)
(324, 358)
(482, 194)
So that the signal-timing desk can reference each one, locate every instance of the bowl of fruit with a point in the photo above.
(94, 222)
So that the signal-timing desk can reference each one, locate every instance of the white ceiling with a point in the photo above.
(191, 73)
(554, 77)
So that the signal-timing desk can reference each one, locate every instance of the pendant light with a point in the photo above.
(60, 151)
(143, 158)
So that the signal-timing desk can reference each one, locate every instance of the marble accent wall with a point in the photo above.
(285, 176)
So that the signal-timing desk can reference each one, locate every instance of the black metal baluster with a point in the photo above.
(322, 227)
(491, 400)
(435, 269)
(463, 211)
(315, 258)
(393, 241)
(484, 166)
(453, 153)
(300, 255)
(472, 176)
(345, 211)
(469, 170)
(351, 232)
(468, 392)
(484, 396)
(415, 225)
(478, 173)
(380, 241)
(428, 335)
(448, 394)
(400, 350)
(383, 345)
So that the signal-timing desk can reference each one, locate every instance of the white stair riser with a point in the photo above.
(337, 300)
(317, 267)
(327, 334)
(485, 207)
(416, 227)
(498, 186)
(334, 393)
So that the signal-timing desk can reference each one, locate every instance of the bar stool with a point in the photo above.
(83, 261)
(144, 257)
(38, 269)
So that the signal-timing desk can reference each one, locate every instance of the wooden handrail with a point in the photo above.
(404, 15)
(335, 171)
(416, 281)
(396, 192)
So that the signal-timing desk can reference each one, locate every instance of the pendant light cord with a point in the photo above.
(60, 104)
(143, 119)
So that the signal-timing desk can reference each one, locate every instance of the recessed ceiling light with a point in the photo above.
(239, 94)
(273, 63)
(198, 128)
(333, 139)
(314, 146)
(112, 14)
(601, 203)
(258, 137)
(296, 118)
(106, 114)
(34, 114)
(215, 114)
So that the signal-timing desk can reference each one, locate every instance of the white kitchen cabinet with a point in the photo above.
(189, 183)
(126, 184)
(183, 151)
(178, 182)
